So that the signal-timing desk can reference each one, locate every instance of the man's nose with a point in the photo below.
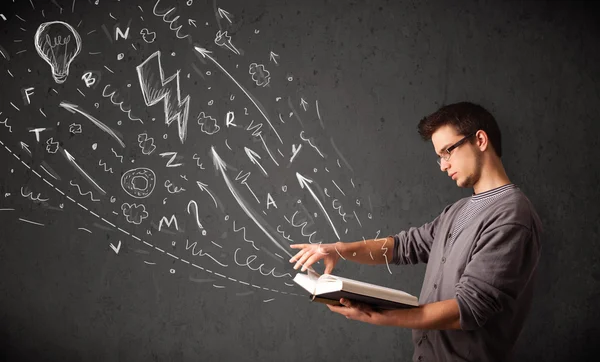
(443, 165)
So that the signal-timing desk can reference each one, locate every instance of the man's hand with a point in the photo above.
(311, 253)
(358, 311)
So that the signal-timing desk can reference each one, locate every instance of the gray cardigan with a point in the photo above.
(488, 265)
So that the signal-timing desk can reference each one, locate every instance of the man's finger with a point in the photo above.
(297, 256)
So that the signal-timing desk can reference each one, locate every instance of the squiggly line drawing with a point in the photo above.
(246, 240)
(119, 104)
(310, 143)
(164, 15)
(200, 253)
(5, 123)
(106, 169)
(283, 234)
(30, 196)
(303, 225)
(82, 194)
(249, 261)
(119, 157)
(133, 236)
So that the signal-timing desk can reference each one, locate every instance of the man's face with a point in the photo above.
(466, 160)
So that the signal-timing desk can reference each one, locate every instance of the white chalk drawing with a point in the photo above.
(250, 259)
(172, 220)
(194, 211)
(106, 168)
(193, 245)
(305, 183)
(172, 22)
(111, 97)
(229, 119)
(244, 182)
(118, 247)
(29, 195)
(81, 193)
(303, 104)
(90, 180)
(54, 44)
(146, 143)
(273, 57)
(172, 189)
(138, 182)
(282, 232)
(295, 150)
(31, 222)
(75, 128)
(204, 187)
(243, 228)
(37, 132)
(147, 35)
(173, 158)
(302, 225)
(51, 145)
(310, 143)
(224, 14)
(5, 123)
(208, 124)
(73, 108)
(175, 258)
(223, 40)
(262, 224)
(156, 88)
(198, 163)
(254, 158)
(134, 213)
(116, 155)
(206, 54)
(259, 74)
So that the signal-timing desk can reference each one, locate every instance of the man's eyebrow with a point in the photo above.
(444, 148)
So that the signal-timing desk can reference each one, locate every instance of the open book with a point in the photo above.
(328, 288)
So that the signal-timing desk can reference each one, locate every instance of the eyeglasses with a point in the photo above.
(447, 153)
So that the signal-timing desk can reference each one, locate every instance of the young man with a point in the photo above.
(481, 252)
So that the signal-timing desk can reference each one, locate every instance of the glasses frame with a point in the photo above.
(448, 151)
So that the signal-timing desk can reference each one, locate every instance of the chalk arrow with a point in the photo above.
(304, 182)
(262, 224)
(71, 159)
(25, 147)
(116, 248)
(192, 22)
(203, 187)
(206, 54)
(224, 14)
(254, 157)
(273, 57)
(303, 104)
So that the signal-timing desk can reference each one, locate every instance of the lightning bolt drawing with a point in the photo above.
(155, 88)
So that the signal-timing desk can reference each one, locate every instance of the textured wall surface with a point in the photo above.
(149, 194)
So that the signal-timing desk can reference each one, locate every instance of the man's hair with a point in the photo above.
(466, 118)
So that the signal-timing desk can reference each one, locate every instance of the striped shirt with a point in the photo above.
(482, 251)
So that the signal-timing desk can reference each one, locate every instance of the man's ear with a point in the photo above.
(482, 140)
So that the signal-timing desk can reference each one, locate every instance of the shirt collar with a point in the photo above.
(493, 192)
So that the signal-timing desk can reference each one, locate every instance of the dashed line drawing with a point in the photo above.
(60, 51)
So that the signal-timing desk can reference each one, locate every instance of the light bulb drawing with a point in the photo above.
(58, 44)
